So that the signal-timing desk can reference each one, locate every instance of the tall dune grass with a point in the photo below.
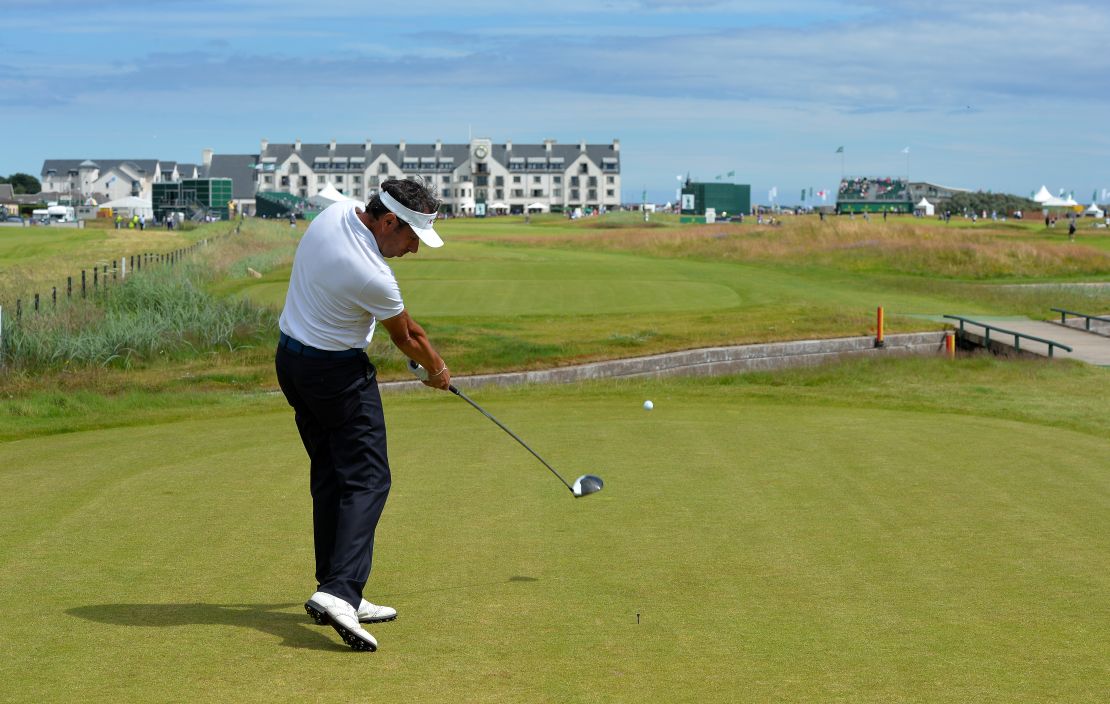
(159, 313)
(857, 245)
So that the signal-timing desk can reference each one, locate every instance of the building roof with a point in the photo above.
(7, 193)
(61, 166)
(456, 152)
(237, 167)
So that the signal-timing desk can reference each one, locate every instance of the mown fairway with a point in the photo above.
(871, 532)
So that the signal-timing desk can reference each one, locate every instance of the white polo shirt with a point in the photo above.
(341, 285)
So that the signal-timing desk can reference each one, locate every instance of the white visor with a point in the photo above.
(421, 223)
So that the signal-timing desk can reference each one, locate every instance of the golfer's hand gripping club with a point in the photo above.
(421, 373)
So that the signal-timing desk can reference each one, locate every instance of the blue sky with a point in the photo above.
(988, 94)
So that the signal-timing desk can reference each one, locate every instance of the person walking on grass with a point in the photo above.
(340, 288)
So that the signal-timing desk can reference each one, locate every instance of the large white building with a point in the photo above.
(468, 178)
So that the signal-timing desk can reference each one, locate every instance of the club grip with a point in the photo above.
(418, 371)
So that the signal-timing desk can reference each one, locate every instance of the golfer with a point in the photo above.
(340, 288)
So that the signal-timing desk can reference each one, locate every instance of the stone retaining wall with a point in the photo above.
(713, 361)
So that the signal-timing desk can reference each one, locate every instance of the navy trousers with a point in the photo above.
(339, 417)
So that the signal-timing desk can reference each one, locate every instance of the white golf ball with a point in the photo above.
(648, 405)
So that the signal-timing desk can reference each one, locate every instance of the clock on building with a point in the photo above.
(480, 152)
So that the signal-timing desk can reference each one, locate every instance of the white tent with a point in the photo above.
(131, 205)
(1094, 211)
(328, 196)
(1054, 202)
(925, 207)
(1042, 196)
(498, 205)
(537, 206)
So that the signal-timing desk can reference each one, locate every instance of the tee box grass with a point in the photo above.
(835, 534)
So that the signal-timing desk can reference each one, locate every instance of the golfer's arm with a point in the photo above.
(413, 342)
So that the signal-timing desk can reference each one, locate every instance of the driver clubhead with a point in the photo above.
(586, 484)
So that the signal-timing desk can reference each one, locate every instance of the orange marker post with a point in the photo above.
(950, 345)
(879, 329)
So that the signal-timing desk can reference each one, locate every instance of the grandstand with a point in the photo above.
(863, 194)
(277, 204)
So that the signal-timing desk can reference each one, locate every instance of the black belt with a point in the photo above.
(296, 347)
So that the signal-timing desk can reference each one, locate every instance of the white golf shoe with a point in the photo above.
(325, 608)
(372, 613)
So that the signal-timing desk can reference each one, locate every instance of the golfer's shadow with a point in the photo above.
(294, 630)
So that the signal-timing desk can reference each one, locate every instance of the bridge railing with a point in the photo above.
(1065, 313)
(1018, 336)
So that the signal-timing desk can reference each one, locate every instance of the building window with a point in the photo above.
(481, 180)
(319, 179)
(372, 181)
(593, 194)
(294, 167)
(610, 179)
(499, 181)
(285, 180)
(537, 192)
(573, 181)
(383, 168)
(574, 194)
(609, 193)
(265, 179)
(516, 179)
(556, 179)
(446, 179)
(537, 179)
(583, 168)
(593, 181)
(446, 192)
(356, 179)
(339, 178)
(518, 193)
(500, 193)
(557, 192)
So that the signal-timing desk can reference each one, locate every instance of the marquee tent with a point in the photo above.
(925, 207)
(1042, 196)
(328, 196)
(129, 206)
(1094, 211)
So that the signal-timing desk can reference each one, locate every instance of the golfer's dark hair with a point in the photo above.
(411, 194)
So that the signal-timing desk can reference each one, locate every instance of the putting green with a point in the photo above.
(742, 550)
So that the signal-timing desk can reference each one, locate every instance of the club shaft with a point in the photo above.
(513, 435)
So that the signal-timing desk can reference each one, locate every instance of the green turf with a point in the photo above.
(834, 534)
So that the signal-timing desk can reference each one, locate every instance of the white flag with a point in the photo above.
(906, 150)
(773, 193)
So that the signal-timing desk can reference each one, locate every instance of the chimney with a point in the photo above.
(331, 146)
(297, 146)
(616, 145)
(401, 145)
(548, 144)
(582, 146)
(369, 146)
(265, 145)
(206, 158)
(439, 145)
(508, 145)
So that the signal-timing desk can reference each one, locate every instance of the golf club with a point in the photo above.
(583, 486)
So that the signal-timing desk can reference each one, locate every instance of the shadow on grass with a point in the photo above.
(294, 630)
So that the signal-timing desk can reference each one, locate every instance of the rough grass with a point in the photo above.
(905, 247)
(157, 313)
